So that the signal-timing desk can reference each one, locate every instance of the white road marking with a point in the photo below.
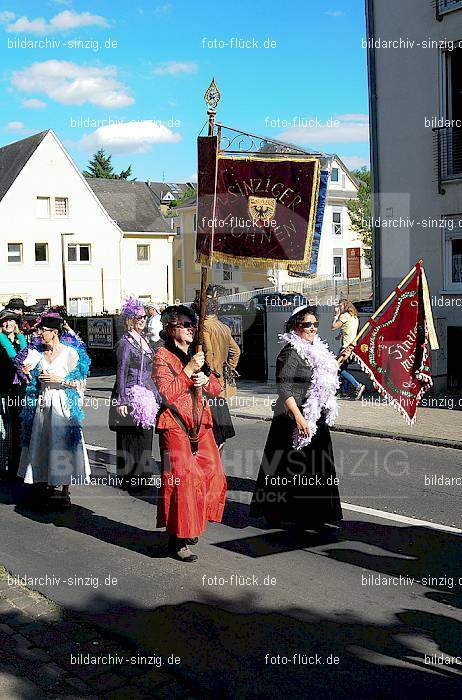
(366, 511)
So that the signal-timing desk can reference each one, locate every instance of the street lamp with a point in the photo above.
(63, 265)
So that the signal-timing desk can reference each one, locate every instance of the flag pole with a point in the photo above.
(212, 98)
(387, 301)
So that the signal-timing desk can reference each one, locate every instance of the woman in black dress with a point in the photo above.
(297, 482)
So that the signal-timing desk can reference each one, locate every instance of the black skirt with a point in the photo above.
(297, 486)
(223, 428)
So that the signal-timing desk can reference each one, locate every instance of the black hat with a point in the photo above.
(8, 315)
(54, 322)
(16, 303)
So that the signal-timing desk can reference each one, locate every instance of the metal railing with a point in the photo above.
(319, 289)
(448, 155)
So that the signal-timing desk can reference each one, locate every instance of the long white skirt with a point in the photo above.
(48, 459)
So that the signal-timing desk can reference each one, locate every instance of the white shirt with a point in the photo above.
(154, 327)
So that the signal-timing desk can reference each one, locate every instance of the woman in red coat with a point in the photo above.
(193, 483)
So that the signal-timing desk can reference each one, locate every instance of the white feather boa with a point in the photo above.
(324, 385)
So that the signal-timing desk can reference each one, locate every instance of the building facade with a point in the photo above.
(58, 244)
(415, 85)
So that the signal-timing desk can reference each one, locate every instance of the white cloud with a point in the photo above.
(360, 117)
(15, 126)
(346, 131)
(353, 162)
(33, 103)
(334, 13)
(129, 137)
(62, 22)
(161, 10)
(70, 84)
(6, 16)
(175, 68)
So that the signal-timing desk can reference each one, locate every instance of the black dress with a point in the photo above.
(296, 486)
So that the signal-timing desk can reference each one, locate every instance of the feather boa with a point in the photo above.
(144, 406)
(80, 373)
(322, 392)
(11, 352)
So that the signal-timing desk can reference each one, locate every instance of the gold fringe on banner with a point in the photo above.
(277, 263)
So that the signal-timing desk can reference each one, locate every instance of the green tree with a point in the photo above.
(360, 211)
(100, 166)
(189, 192)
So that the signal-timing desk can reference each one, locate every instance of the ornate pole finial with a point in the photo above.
(212, 98)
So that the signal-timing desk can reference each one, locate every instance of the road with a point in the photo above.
(261, 613)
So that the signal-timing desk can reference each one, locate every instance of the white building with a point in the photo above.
(55, 233)
(415, 80)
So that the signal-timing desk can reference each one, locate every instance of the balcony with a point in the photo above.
(443, 7)
(448, 155)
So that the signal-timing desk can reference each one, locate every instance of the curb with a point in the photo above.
(417, 439)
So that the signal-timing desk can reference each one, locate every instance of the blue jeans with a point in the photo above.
(348, 378)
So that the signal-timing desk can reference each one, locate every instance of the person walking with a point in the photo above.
(297, 481)
(54, 452)
(221, 355)
(347, 321)
(134, 399)
(11, 343)
(193, 488)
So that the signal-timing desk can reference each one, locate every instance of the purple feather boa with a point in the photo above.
(144, 406)
(322, 392)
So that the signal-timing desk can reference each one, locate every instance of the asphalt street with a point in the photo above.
(375, 613)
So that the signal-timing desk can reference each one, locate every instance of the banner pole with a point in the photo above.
(212, 97)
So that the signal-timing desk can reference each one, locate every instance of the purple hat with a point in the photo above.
(132, 307)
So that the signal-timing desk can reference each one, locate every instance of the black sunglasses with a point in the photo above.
(185, 324)
(309, 324)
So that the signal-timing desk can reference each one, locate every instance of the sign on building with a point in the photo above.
(353, 263)
(100, 333)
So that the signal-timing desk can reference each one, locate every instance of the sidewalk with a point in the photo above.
(44, 652)
(372, 417)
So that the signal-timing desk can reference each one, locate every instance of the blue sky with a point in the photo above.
(131, 76)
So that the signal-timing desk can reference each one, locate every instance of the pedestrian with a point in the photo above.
(54, 452)
(346, 319)
(193, 483)
(154, 325)
(12, 341)
(134, 403)
(297, 480)
(221, 355)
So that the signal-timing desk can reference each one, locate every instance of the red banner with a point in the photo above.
(394, 350)
(256, 209)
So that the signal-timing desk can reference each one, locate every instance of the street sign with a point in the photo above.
(100, 333)
(353, 263)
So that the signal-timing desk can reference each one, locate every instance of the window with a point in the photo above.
(145, 299)
(236, 290)
(143, 253)
(334, 175)
(81, 306)
(456, 261)
(227, 273)
(15, 252)
(61, 206)
(337, 265)
(178, 230)
(43, 207)
(41, 252)
(178, 265)
(43, 302)
(78, 252)
(195, 222)
(337, 223)
(448, 5)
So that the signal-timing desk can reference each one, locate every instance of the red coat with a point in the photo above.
(177, 389)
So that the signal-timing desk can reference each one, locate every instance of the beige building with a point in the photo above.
(415, 80)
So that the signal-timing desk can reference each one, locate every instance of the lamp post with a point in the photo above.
(63, 267)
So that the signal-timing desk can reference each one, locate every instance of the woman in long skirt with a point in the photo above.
(54, 451)
(11, 391)
(193, 483)
(297, 482)
(134, 400)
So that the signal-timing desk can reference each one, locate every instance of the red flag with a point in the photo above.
(394, 347)
(257, 209)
